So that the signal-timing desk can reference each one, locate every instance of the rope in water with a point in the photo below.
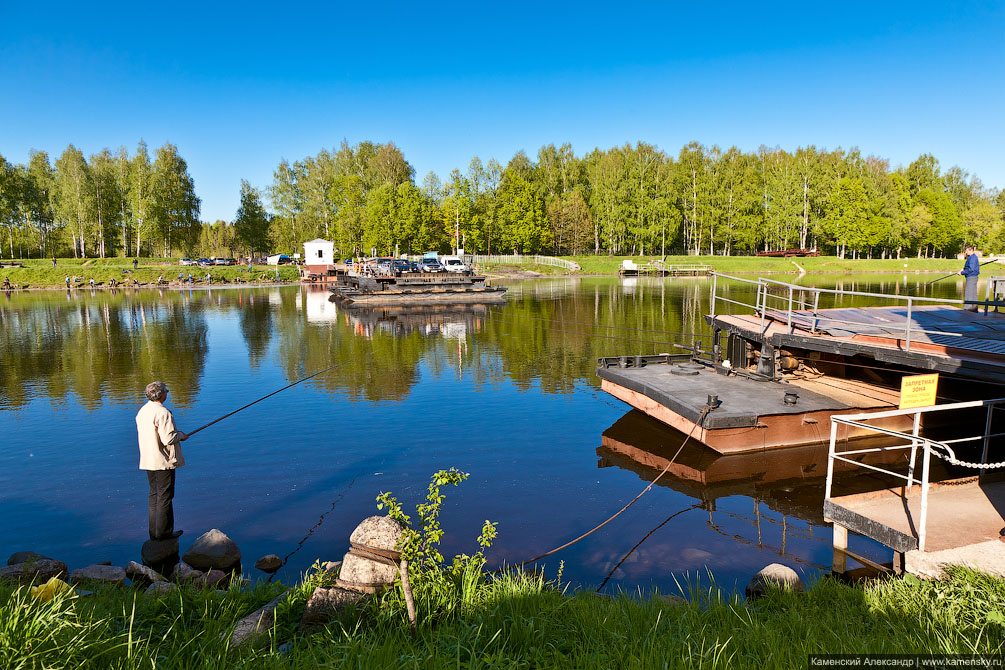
(701, 420)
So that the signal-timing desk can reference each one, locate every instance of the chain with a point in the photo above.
(951, 458)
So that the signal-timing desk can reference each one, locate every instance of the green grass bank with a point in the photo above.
(40, 273)
(516, 621)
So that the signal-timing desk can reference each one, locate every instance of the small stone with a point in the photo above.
(213, 550)
(269, 563)
(216, 579)
(101, 574)
(156, 552)
(327, 604)
(378, 532)
(24, 557)
(332, 566)
(364, 574)
(141, 575)
(185, 573)
(39, 570)
(776, 576)
(258, 621)
(160, 588)
(675, 600)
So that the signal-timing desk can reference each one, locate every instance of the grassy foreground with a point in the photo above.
(516, 621)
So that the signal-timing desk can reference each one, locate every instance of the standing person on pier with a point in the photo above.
(972, 271)
(160, 455)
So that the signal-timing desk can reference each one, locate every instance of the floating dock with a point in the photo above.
(784, 371)
(432, 289)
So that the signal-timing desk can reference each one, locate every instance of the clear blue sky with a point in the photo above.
(239, 87)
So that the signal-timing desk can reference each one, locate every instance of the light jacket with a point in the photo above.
(158, 437)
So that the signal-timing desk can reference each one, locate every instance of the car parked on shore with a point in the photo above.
(187, 261)
(430, 265)
(454, 264)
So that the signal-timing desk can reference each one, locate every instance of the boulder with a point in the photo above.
(99, 574)
(216, 579)
(160, 588)
(185, 573)
(325, 605)
(269, 563)
(24, 557)
(258, 621)
(213, 550)
(39, 570)
(157, 552)
(776, 576)
(377, 532)
(365, 574)
(141, 575)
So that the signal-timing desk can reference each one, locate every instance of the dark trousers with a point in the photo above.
(161, 512)
(970, 292)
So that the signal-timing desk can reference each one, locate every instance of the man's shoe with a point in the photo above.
(173, 536)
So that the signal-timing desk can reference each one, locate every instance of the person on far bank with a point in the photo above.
(160, 455)
(972, 271)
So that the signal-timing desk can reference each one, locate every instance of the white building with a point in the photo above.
(319, 252)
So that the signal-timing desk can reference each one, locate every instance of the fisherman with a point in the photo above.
(67, 281)
(6, 283)
(135, 263)
(160, 455)
(54, 261)
(972, 271)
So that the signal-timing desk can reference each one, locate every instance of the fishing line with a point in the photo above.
(330, 367)
(955, 274)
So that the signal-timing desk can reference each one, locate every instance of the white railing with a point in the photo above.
(512, 259)
(942, 449)
(801, 305)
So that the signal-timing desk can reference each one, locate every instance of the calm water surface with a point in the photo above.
(505, 393)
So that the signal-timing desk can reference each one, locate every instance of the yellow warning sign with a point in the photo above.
(918, 391)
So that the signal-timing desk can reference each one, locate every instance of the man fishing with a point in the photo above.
(160, 455)
(972, 271)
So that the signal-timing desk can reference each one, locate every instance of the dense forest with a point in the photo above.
(629, 200)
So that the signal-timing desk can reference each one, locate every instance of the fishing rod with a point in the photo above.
(330, 367)
(993, 260)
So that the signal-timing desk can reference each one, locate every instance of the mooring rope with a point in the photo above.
(701, 419)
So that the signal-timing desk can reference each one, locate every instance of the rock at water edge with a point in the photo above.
(269, 563)
(160, 588)
(141, 575)
(379, 532)
(39, 571)
(185, 573)
(327, 604)
(101, 574)
(213, 550)
(24, 557)
(156, 552)
(775, 575)
(216, 579)
(358, 572)
(258, 621)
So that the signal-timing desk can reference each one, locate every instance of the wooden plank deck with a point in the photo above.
(971, 343)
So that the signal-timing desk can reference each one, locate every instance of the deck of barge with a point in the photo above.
(943, 338)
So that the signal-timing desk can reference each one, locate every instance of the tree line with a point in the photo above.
(627, 200)
(105, 205)
(634, 200)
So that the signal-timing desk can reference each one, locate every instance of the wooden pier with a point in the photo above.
(657, 268)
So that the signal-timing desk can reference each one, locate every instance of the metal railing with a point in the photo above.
(939, 448)
(513, 259)
(801, 305)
